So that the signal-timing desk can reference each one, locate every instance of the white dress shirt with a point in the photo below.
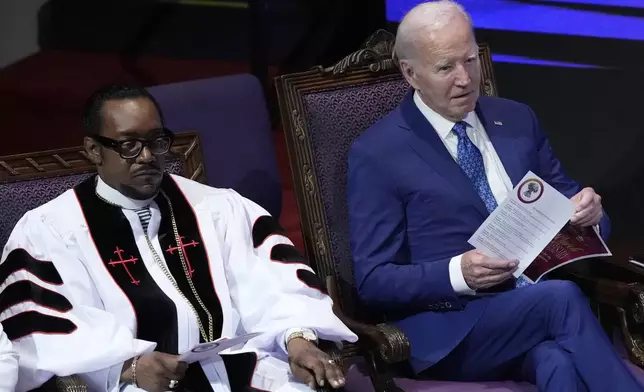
(498, 178)
(8, 364)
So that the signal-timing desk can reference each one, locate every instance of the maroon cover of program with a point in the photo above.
(572, 243)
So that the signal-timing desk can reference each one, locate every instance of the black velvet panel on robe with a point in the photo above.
(22, 291)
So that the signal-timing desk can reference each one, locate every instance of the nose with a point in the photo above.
(463, 78)
(145, 156)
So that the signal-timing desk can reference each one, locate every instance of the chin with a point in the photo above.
(144, 195)
(459, 114)
(460, 110)
(470, 104)
(142, 191)
(465, 109)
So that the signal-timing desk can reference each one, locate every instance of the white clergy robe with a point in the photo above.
(8, 363)
(87, 289)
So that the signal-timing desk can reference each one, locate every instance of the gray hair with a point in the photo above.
(425, 18)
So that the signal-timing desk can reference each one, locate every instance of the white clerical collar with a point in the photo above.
(442, 125)
(113, 196)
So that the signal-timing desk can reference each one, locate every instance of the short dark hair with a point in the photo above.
(93, 109)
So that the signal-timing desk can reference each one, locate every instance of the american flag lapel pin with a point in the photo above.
(498, 123)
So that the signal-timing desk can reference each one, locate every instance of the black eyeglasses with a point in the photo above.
(131, 148)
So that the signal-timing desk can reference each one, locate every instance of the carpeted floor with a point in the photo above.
(41, 99)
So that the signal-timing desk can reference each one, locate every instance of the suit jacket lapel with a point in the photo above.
(502, 140)
(426, 142)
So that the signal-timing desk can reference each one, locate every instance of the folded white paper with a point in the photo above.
(524, 223)
(211, 349)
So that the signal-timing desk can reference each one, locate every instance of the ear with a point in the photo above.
(93, 150)
(409, 73)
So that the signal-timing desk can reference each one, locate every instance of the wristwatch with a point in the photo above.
(301, 333)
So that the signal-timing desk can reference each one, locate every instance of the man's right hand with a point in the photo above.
(481, 272)
(154, 371)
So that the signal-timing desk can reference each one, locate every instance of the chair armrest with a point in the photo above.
(388, 341)
(71, 384)
(64, 384)
(617, 288)
(396, 347)
(605, 280)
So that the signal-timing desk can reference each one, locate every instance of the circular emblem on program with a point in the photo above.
(205, 347)
(530, 190)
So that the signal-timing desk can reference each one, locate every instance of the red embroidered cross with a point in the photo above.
(124, 262)
(183, 246)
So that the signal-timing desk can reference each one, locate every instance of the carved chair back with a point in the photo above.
(32, 179)
(323, 111)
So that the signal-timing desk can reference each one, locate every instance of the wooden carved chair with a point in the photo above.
(32, 179)
(323, 111)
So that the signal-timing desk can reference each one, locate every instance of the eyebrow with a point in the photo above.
(446, 62)
(134, 133)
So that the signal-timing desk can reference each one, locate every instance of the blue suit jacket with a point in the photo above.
(412, 209)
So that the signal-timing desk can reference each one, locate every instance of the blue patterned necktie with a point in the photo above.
(471, 161)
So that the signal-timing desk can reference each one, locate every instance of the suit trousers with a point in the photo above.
(545, 334)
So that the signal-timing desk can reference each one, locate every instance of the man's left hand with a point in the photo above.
(312, 365)
(588, 208)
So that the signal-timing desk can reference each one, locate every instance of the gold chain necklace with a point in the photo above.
(210, 336)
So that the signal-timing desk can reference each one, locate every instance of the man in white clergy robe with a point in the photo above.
(117, 277)
(8, 363)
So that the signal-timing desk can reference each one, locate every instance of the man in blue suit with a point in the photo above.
(421, 181)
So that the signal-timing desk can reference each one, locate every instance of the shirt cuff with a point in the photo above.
(114, 378)
(457, 279)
